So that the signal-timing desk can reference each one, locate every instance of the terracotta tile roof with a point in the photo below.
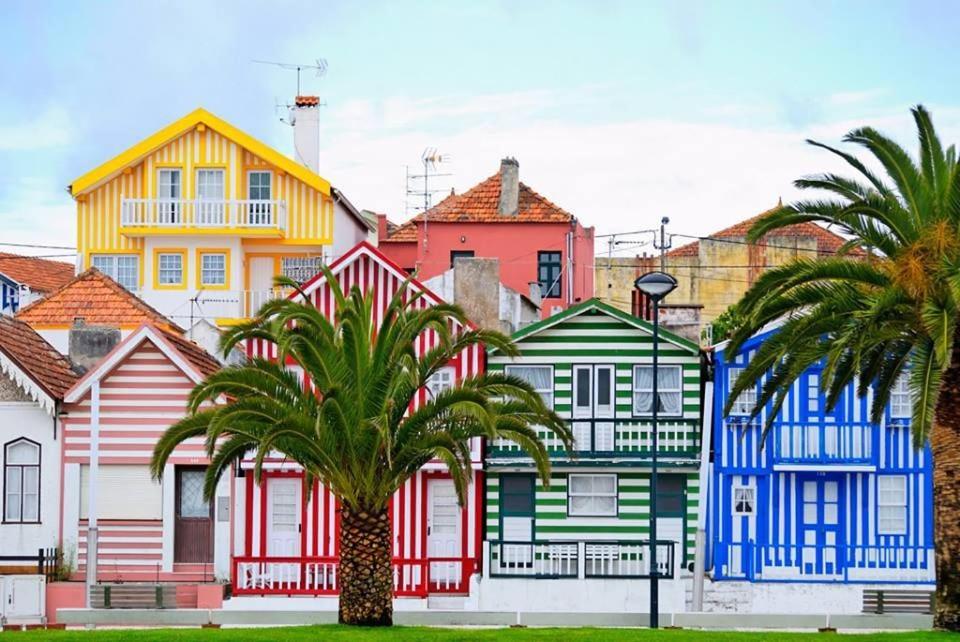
(96, 298)
(202, 360)
(828, 243)
(479, 204)
(40, 275)
(406, 233)
(307, 101)
(37, 358)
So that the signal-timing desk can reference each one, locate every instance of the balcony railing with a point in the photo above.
(558, 559)
(256, 575)
(823, 443)
(158, 214)
(614, 438)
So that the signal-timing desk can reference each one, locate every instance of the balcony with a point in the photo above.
(613, 438)
(247, 218)
(562, 559)
(823, 443)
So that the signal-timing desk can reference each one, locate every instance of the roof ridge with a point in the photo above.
(46, 366)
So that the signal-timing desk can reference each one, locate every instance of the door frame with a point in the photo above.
(266, 511)
(594, 413)
(177, 473)
(820, 528)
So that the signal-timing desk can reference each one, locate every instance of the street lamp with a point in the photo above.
(655, 285)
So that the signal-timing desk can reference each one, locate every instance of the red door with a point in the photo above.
(193, 525)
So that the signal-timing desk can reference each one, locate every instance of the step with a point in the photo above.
(446, 602)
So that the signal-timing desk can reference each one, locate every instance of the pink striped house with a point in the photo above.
(284, 544)
(147, 531)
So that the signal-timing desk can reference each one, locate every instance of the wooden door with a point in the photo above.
(443, 530)
(193, 521)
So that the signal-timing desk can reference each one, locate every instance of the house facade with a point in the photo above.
(286, 535)
(199, 217)
(24, 279)
(536, 241)
(828, 496)
(583, 543)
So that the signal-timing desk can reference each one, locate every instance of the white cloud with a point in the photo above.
(50, 128)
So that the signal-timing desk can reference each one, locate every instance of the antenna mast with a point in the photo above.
(319, 67)
(431, 159)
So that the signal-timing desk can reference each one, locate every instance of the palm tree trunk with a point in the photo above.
(366, 568)
(945, 443)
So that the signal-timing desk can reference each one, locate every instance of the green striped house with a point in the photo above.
(593, 364)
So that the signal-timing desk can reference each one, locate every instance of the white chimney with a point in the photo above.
(509, 202)
(306, 131)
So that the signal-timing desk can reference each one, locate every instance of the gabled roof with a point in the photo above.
(151, 143)
(98, 300)
(603, 308)
(193, 361)
(40, 275)
(828, 243)
(33, 363)
(479, 204)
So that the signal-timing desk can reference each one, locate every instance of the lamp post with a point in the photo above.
(655, 285)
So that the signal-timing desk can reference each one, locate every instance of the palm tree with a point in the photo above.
(359, 432)
(893, 309)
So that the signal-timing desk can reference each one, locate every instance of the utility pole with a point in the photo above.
(664, 243)
(610, 243)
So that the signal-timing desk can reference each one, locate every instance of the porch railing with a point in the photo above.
(823, 443)
(559, 559)
(613, 437)
(226, 214)
(255, 575)
(837, 563)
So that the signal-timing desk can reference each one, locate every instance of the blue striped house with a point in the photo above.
(828, 497)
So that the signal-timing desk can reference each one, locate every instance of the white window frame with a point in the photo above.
(161, 269)
(204, 269)
(204, 174)
(547, 394)
(250, 186)
(752, 490)
(113, 269)
(900, 506)
(19, 470)
(660, 390)
(901, 398)
(165, 183)
(747, 400)
(615, 494)
(443, 379)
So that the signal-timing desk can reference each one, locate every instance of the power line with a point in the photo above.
(40, 247)
(34, 256)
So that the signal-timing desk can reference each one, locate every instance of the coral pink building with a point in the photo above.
(535, 240)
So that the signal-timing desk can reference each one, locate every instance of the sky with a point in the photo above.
(619, 112)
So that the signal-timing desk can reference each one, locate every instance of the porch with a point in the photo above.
(565, 559)
(255, 218)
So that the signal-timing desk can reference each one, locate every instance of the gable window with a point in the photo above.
(122, 268)
(549, 266)
(210, 206)
(170, 268)
(21, 481)
(747, 400)
(669, 390)
(441, 380)
(459, 254)
(892, 505)
(213, 269)
(901, 403)
(300, 268)
(744, 499)
(671, 491)
(540, 379)
(592, 495)
(258, 191)
(169, 185)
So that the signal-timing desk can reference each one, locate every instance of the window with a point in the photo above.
(168, 194)
(592, 495)
(441, 380)
(540, 377)
(892, 505)
(122, 268)
(669, 390)
(170, 268)
(300, 268)
(190, 500)
(743, 500)
(210, 184)
(21, 481)
(549, 265)
(258, 186)
(671, 491)
(747, 401)
(901, 403)
(124, 491)
(516, 495)
(213, 269)
(459, 254)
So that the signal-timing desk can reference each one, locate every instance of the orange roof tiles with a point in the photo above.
(40, 275)
(307, 101)
(202, 360)
(480, 204)
(98, 300)
(38, 359)
(827, 242)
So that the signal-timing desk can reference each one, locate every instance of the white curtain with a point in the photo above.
(642, 390)
(540, 377)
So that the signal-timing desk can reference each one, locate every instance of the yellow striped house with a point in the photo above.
(199, 217)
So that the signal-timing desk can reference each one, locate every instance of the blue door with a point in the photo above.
(820, 526)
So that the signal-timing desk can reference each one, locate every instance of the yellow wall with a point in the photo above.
(309, 212)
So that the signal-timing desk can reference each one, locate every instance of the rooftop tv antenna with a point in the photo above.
(319, 66)
(431, 159)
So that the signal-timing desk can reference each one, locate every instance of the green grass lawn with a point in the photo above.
(423, 634)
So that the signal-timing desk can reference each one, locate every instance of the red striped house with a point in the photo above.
(287, 545)
(146, 530)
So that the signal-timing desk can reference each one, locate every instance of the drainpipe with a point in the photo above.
(570, 268)
(91, 579)
(699, 560)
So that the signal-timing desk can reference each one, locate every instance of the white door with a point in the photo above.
(594, 399)
(283, 517)
(261, 283)
(582, 406)
(443, 532)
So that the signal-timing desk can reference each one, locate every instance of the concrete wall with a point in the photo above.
(577, 595)
(347, 231)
